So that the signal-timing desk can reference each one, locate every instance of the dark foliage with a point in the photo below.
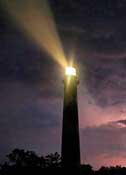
(20, 162)
(117, 170)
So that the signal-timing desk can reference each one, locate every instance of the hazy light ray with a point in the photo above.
(36, 19)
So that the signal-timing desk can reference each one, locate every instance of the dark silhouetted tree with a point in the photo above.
(53, 160)
(21, 158)
(20, 162)
(86, 169)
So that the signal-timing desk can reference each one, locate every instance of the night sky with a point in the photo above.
(31, 88)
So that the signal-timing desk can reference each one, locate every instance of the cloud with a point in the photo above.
(27, 107)
(73, 29)
(99, 146)
(36, 139)
(106, 81)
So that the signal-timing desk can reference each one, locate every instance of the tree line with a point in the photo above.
(20, 162)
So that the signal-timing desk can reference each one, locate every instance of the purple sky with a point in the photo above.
(31, 88)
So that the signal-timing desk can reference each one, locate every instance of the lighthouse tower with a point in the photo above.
(70, 154)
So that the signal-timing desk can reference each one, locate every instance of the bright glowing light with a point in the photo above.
(70, 71)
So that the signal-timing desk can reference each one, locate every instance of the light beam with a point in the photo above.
(36, 19)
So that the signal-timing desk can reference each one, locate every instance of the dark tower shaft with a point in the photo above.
(70, 133)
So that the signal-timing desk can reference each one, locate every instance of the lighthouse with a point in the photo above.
(70, 153)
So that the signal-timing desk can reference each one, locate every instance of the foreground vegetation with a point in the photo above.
(21, 162)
